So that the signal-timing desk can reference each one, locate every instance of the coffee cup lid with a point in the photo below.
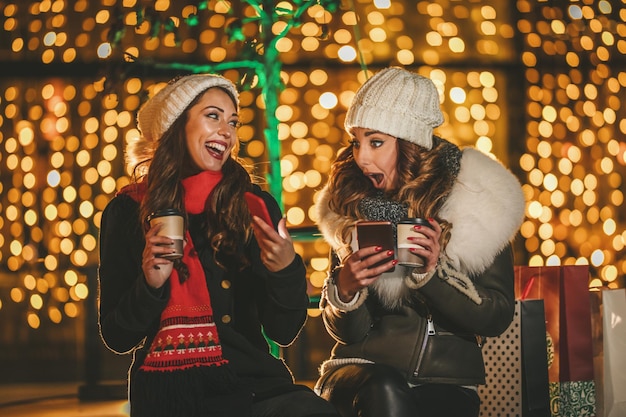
(163, 213)
(416, 221)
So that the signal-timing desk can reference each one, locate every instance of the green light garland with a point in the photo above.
(256, 58)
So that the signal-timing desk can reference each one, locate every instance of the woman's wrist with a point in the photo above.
(343, 302)
(344, 296)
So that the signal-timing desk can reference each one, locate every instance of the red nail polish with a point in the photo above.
(395, 262)
(417, 228)
(389, 252)
(430, 219)
(379, 248)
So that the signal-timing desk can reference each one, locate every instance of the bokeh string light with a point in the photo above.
(575, 150)
(62, 137)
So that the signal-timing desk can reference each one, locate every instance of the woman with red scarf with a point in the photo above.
(195, 324)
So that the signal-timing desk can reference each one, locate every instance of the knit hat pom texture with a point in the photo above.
(399, 103)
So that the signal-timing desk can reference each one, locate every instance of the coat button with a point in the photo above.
(226, 319)
(226, 284)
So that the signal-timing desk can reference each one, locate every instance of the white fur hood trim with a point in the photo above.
(485, 206)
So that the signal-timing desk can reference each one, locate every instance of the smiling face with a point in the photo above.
(211, 130)
(376, 154)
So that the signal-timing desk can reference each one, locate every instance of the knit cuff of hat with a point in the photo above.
(399, 125)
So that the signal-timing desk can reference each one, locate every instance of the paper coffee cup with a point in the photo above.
(172, 225)
(406, 229)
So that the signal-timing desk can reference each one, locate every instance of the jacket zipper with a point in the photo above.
(430, 331)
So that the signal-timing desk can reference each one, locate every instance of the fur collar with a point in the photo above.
(485, 206)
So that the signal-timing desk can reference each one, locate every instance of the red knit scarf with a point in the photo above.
(184, 372)
(187, 336)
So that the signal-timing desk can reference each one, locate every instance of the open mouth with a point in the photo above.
(376, 178)
(216, 149)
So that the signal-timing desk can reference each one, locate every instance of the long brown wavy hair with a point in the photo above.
(424, 181)
(227, 219)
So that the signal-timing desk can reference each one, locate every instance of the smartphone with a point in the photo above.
(376, 233)
(257, 207)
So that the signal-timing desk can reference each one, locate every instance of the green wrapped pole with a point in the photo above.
(271, 83)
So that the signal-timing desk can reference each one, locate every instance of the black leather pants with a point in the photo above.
(371, 390)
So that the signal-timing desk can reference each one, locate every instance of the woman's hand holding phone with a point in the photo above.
(374, 257)
(376, 233)
(277, 251)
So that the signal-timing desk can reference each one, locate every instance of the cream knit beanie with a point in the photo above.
(399, 103)
(161, 110)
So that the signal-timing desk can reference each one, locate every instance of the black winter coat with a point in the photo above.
(245, 303)
(436, 336)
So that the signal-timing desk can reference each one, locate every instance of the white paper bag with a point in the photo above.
(609, 308)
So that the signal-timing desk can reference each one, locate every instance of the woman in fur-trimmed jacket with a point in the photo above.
(409, 338)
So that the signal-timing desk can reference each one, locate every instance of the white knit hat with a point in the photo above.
(399, 103)
(161, 110)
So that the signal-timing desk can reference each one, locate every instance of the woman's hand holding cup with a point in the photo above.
(164, 243)
(418, 243)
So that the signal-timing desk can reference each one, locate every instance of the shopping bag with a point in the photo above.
(516, 366)
(609, 350)
(565, 291)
